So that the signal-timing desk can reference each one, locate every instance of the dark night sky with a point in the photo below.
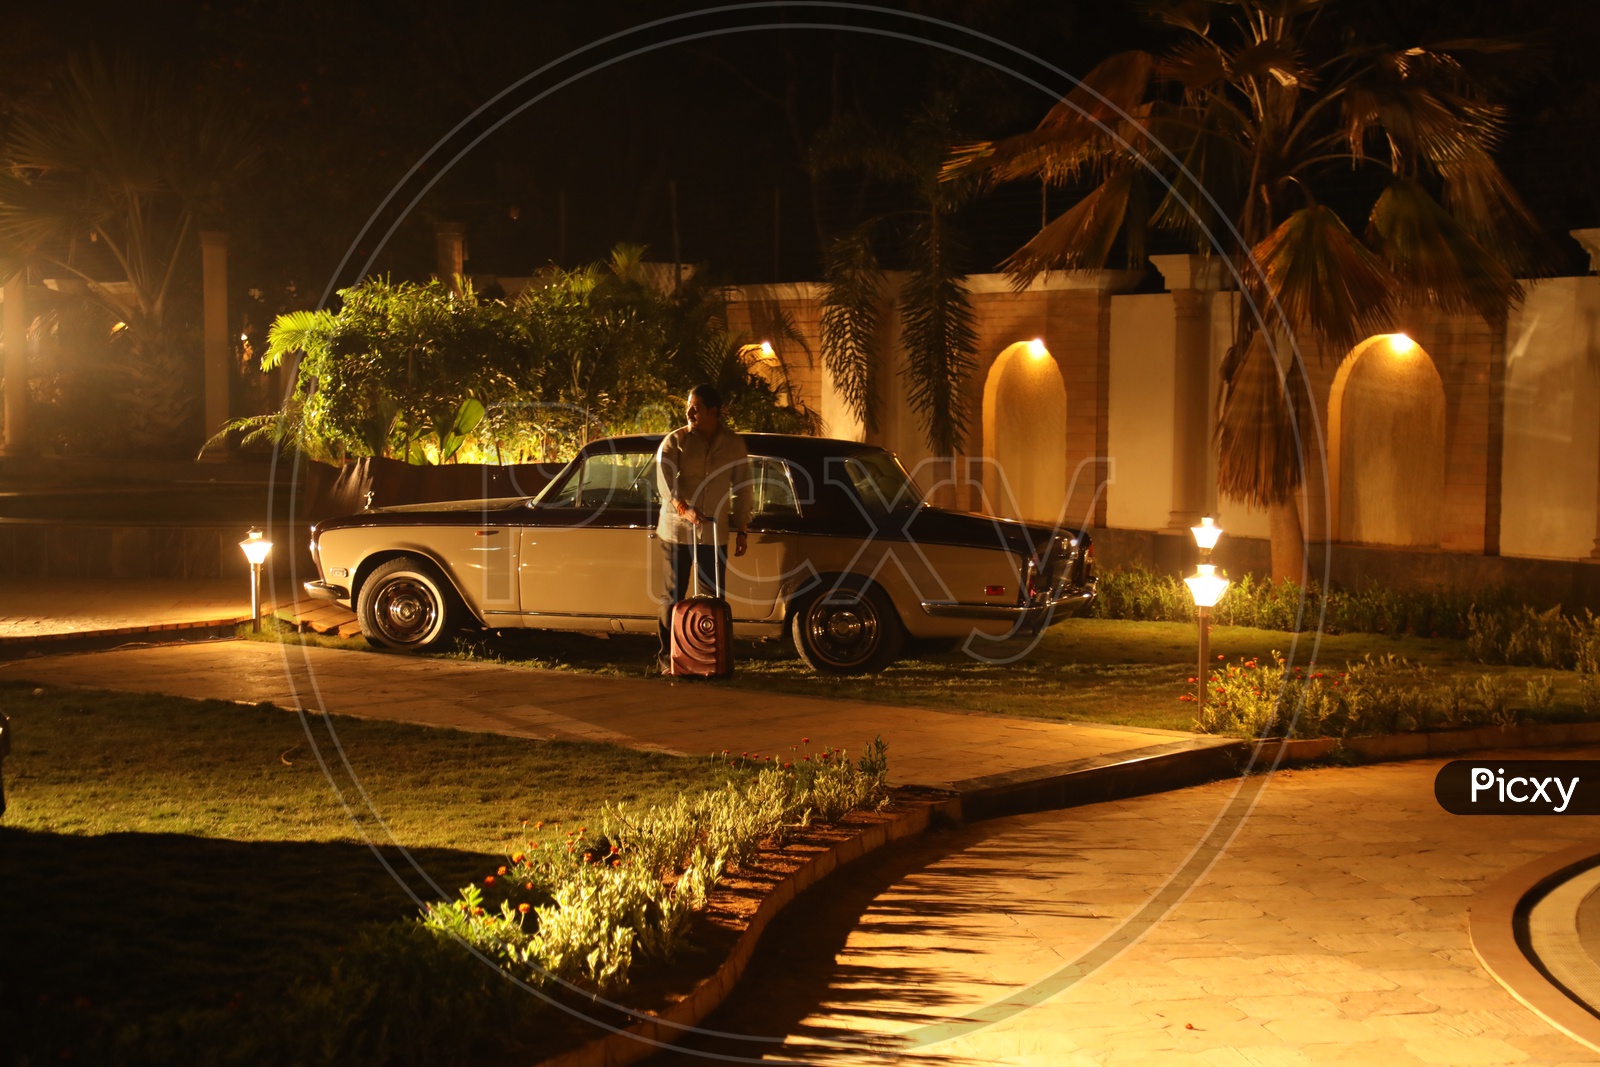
(348, 100)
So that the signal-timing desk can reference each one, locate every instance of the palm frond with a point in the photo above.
(1206, 193)
(1433, 257)
(1259, 453)
(940, 337)
(1479, 197)
(1314, 272)
(851, 324)
(1079, 239)
(1085, 130)
(297, 331)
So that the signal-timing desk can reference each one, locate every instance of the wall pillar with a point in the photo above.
(218, 352)
(1191, 280)
(14, 344)
(450, 249)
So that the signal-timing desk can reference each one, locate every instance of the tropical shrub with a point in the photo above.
(432, 372)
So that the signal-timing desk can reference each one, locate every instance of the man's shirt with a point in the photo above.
(713, 476)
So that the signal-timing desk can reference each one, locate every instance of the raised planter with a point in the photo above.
(647, 1037)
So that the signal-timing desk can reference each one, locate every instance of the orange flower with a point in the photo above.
(588, 857)
(490, 880)
(502, 870)
(524, 908)
(805, 740)
(616, 863)
(539, 825)
(528, 886)
(477, 911)
(516, 857)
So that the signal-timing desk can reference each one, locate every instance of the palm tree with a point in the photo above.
(938, 324)
(1243, 136)
(105, 181)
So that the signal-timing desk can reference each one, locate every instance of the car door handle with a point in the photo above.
(487, 533)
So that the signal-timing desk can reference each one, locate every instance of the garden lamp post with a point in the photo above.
(256, 549)
(1206, 586)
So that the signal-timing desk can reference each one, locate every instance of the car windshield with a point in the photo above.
(605, 479)
(881, 483)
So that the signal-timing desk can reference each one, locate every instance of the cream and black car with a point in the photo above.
(845, 556)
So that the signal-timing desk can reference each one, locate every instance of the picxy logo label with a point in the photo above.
(1519, 787)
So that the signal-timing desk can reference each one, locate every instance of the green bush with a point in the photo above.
(1140, 594)
(1377, 695)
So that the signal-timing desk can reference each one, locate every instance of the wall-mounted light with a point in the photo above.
(1036, 348)
(1401, 344)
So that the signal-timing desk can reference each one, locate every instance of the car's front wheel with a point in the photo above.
(407, 604)
(851, 629)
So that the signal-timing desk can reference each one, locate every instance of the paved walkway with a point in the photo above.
(1331, 930)
(929, 748)
(43, 607)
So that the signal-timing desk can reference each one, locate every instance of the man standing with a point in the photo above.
(703, 478)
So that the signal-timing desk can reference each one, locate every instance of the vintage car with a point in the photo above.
(845, 556)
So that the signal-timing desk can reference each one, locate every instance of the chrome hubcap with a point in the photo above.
(406, 610)
(843, 632)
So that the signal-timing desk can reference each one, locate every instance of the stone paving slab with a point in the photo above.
(1292, 947)
(935, 749)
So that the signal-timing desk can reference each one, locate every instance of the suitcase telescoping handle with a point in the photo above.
(716, 578)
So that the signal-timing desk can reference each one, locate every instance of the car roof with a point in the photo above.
(782, 445)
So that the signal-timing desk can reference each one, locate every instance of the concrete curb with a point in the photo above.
(119, 631)
(1156, 769)
(1424, 745)
(1492, 922)
(648, 1037)
(17, 648)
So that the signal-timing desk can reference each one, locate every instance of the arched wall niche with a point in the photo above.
(1386, 445)
(1025, 434)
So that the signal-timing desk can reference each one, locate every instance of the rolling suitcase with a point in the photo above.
(702, 628)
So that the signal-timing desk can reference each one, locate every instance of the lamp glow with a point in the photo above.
(1206, 534)
(1036, 348)
(256, 549)
(1401, 344)
(1207, 586)
(766, 350)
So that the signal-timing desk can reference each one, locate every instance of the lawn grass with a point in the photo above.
(161, 854)
(1081, 670)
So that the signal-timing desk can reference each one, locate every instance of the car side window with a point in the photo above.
(608, 480)
(772, 492)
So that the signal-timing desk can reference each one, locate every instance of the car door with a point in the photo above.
(588, 551)
(756, 578)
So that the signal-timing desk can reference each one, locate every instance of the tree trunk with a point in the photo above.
(1288, 542)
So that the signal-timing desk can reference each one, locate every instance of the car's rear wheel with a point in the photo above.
(851, 629)
(407, 604)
